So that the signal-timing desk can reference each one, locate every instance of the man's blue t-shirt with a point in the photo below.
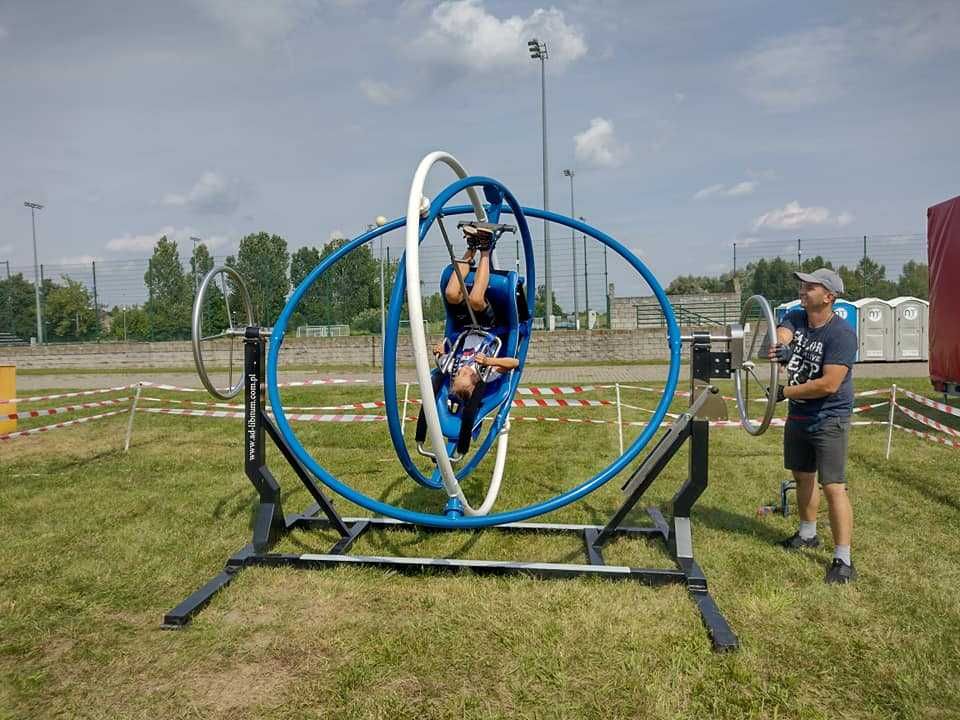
(832, 344)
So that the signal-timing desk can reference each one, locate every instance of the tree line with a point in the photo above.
(775, 281)
(348, 294)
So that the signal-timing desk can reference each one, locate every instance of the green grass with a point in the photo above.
(99, 544)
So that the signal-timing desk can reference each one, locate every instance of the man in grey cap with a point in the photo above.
(817, 350)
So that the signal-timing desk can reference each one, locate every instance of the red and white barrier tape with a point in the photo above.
(924, 420)
(297, 408)
(298, 383)
(558, 390)
(48, 428)
(43, 412)
(929, 436)
(60, 396)
(231, 414)
(949, 409)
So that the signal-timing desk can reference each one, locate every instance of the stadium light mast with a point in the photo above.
(538, 51)
(36, 267)
(573, 248)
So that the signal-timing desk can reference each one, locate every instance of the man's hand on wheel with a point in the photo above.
(780, 396)
(780, 352)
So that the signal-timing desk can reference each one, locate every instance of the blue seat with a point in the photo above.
(505, 294)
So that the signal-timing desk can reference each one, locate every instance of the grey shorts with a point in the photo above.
(820, 448)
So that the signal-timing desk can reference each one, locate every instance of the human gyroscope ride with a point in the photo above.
(456, 434)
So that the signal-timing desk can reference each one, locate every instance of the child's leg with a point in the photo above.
(481, 280)
(452, 292)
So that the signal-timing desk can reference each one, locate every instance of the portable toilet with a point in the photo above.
(780, 310)
(875, 321)
(847, 312)
(909, 328)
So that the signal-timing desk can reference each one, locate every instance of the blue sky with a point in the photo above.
(689, 124)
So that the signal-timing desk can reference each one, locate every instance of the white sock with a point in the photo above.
(808, 530)
(842, 552)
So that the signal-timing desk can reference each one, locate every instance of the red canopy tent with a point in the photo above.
(943, 249)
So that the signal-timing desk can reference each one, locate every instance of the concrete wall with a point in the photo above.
(556, 347)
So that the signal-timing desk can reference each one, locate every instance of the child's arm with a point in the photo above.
(503, 363)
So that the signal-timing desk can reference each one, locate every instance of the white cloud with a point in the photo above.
(745, 187)
(462, 32)
(212, 193)
(597, 146)
(258, 24)
(3, 32)
(78, 259)
(380, 93)
(797, 70)
(679, 97)
(181, 236)
(709, 191)
(792, 215)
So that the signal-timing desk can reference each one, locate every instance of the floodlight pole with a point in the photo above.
(36, 267)
(573, 250)
(538, 51)
(586, 282)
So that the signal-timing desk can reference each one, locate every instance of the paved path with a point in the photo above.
(566, 375)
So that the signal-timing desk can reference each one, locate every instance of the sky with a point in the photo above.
(689, 124)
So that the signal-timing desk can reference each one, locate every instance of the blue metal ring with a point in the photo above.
(393, 322)
(519, 514)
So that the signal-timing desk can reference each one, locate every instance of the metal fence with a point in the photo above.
(892, 251)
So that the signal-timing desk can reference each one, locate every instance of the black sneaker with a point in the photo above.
(839, 572)
(795, 542)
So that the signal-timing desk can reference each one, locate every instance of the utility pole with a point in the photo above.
(573, 248)
(586, 285)
(606, 287)
(380, 222)
(36, 267)
(538, 51)
(7, 263)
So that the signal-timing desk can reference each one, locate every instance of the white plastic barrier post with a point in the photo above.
(619, 418)
(893, 405)
(133, 410)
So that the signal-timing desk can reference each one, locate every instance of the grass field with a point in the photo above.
(98, 544)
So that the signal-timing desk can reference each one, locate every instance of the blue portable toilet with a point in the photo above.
(784, 308)
(849, 313)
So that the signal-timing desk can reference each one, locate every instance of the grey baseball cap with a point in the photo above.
(824, 276)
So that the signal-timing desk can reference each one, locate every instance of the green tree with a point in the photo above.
(773, 279)
(262, 261)
(914, 280)
(350, 286)
(18, 308)
(539, 305)
(310, 309)
(870, 280)
(69, 312)
(699, 284)
(201, 262)
(169, 293)
(128, 323)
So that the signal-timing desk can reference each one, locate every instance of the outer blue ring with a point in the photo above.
(393, 321)
(525, 513)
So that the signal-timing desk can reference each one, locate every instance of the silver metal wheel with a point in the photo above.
(231, 331)
(751, 365)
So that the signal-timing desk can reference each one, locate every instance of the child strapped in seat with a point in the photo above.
(473, 356)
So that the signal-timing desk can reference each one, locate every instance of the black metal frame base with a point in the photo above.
(270, 524)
